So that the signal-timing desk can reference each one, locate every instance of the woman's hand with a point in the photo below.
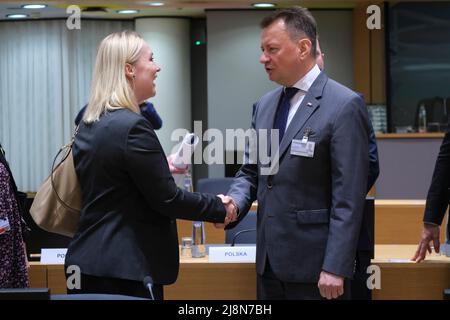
(172, 168)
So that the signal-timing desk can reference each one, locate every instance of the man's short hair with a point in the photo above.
(299, 22)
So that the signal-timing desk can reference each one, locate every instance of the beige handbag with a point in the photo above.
(57, 204)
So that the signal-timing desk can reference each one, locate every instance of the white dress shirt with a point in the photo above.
(303, 84)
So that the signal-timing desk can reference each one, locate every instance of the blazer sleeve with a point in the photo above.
(148, 168)
(349, 168)
(437, 199)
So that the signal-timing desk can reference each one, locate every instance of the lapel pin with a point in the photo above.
(309, 104)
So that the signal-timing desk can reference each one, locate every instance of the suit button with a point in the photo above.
(269, 185)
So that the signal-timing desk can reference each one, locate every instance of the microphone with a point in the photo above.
(239, 233)
(148, 283)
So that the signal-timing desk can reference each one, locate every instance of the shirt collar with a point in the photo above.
(305, 83)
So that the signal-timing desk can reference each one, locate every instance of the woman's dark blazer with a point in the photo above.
(130, 201)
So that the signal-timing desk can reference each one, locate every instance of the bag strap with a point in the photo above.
(68, 153)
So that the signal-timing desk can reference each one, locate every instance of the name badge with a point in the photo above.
(4, 225)
(302, 148)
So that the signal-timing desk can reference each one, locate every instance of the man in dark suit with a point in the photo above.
(310, 209)
(437, 202)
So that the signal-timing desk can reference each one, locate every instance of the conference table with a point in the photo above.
(407, 280)
(200, 280)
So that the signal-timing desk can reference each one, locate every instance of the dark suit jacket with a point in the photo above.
(365, 242)
(130, 201)
(438, 197)
(310, 211)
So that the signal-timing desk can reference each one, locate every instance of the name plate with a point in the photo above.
(53, 256)
(232, 254)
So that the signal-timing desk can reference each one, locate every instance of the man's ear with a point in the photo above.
(305, 47)
(129, 71)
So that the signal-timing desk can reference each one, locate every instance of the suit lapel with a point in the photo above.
(310, 103)
(268, 117)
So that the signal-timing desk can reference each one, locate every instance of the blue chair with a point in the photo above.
(244, 232)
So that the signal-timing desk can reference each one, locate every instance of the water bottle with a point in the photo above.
(198, 239)
(422, 119)
(188, 182)
(198, 227)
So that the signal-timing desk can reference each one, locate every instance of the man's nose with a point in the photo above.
(263, 58)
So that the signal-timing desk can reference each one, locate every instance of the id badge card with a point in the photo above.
(302, 148)
(4, 225)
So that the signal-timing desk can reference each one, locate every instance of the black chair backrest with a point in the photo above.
(369, 223)
(25, 294)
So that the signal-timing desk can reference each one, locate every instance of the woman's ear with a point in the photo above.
(129, 71)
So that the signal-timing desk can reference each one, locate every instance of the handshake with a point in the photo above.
(228, 202)
(232, 211)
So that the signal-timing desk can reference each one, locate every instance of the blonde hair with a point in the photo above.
(110, 89)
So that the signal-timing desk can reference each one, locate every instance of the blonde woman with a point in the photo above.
(127, 229)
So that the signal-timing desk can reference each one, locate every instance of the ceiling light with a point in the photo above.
(127, 11)
(156, 4)
(34, 6)
(16, 16)
(263, 5)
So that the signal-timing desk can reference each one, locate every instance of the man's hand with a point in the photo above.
(430, 233)
(331, 286)
(231, 208)
(172, 168)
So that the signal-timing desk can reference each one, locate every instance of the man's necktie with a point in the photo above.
(283, 111)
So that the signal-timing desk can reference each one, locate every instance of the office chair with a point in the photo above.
(25, 294)
(244, 232)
